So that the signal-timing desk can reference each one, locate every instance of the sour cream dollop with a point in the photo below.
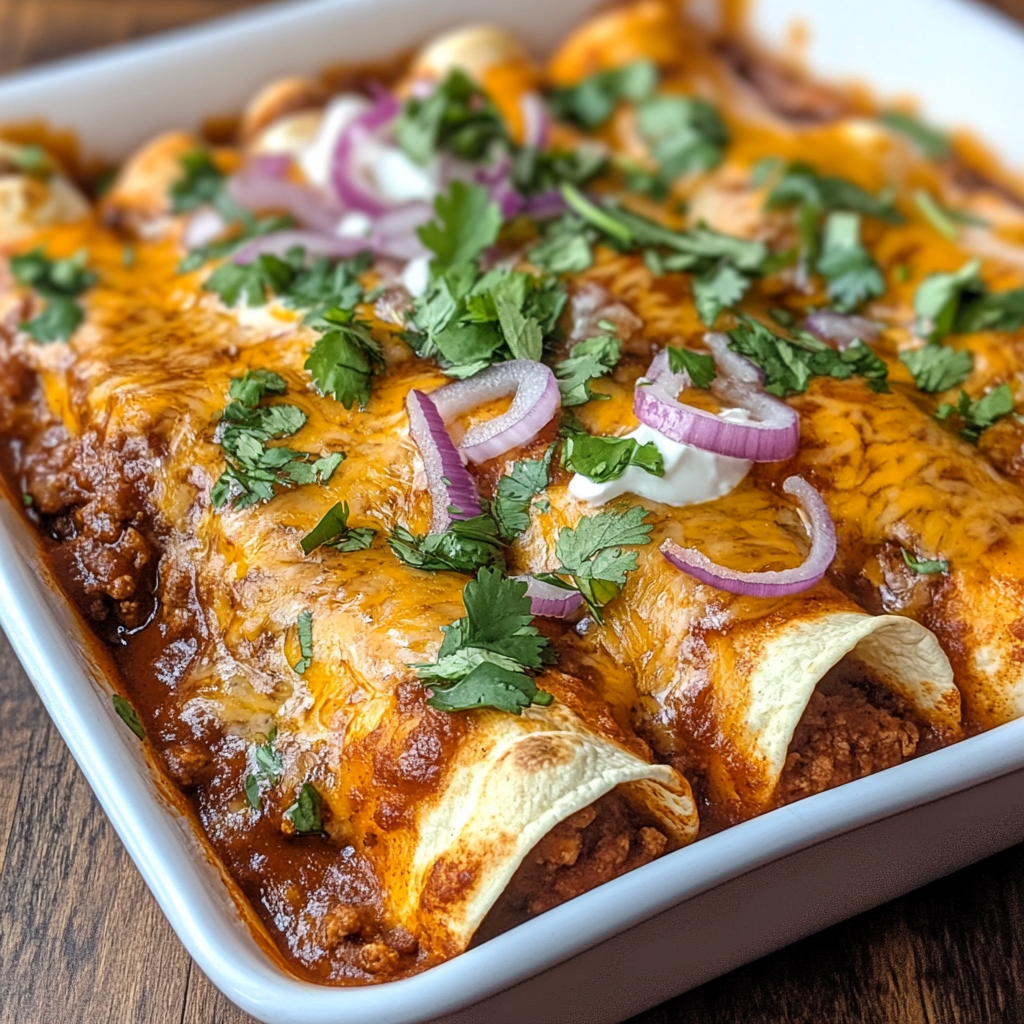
(692, 475)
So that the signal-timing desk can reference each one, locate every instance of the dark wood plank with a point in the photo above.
(82, 941)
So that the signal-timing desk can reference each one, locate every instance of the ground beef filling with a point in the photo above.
(589, 848)
(851, 728)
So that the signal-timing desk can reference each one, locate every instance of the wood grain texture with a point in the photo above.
(82, 941)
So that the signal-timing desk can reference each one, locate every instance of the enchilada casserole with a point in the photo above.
(487, 476)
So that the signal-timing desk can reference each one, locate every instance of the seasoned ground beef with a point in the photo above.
(849, 730)
(589, 848)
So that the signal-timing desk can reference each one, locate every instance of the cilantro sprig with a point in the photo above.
(937, 368)
(591, 554)
(486, 657)
(924, 566)
(333, 531)
(466, 546)
(978, 415)
(699, 367)
(345, 358)
(684, 135)
(255, 471)
(603, 459)
(59, 282)
(514, 495)
(592, 101)
(304, 629)
(587, 361)
(960, 303)
(268, 768)
(305, 816)
(850, 271)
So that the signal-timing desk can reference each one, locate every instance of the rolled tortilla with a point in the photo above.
(894, 479)
(730, 677)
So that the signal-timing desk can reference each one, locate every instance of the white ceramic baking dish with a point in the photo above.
(689, 916)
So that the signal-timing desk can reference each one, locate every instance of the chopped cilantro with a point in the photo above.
(31, 160)
(924, 566)
(333, 531)
(932, 143)
(566, 247)
(467, 545)
(685, 135)
(587, 360)
(304, 627)
(514, 493)
(852, 275)
(269, 768)
(978, 416)
(801, 185)
(603, 459)
(457, 117)
(201, 183)
(468, 221)
(344, 358)
(248, 228)
(937, 368)
(959, 302)
(306, 814)
(535, 171)
(592, 101)
(591, 554)
(485, 656)
(255, 471)
(129, 716)
(699, 367)
(252, 282)
(789, 364)
(59, 282)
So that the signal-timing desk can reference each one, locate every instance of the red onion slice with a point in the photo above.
(537, 399)
(841, 329)
(394, 233)
(771, 436)
(536, 121)
(550, 601)
(310, 208)
(452, 489)
(769, 584)
(350, 188)
(280, 243)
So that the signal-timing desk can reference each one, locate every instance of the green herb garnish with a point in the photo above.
(592, 101)
(514, 494)
(466, 546)
(924, 566)
(587, 361)
(485, 657)
(59, 282)
(685, 135)
(128, 715)
(851, 273)
(699, 367)
(344, 358)
(603, 459)
(306, 814)
(269, 768)
(304, 627)
(333, 531)
(937, 368)
(933, 144)
(978, 416)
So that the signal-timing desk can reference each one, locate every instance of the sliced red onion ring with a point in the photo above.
(771, 436)
(279, 243)
(452, 489)
(841, 329)
(537, 399)
(731, 364)
(206, 225)
(269, 165)
(351, 189)
(769, 584)
(545, 204)
(550, 601)
(394, 233)
(536, 121)
(310, 208)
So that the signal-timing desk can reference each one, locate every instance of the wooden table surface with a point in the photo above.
(82, 941)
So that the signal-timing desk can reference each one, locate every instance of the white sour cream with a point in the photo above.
(692, 475)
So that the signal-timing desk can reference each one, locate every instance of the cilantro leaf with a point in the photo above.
(304, 627)
(790, 364)
(853, 276)
(514, 493)
(801, 185)
(587, 360)
(535, 171)
(129, 716)
(924, 566)
(603, 459)
(269, 769)
(306, 814)
(466, 546)
(249, 281)
(937, 368)
(933, 144)
(936, 214)
(699, 367)
(939, 298)
(333, 531)
(978, 416)
(255, 385)
(468, 221)
(344, 359)
(592, 101)
(718, 288)
(565, 247)
(457, 116)
(685, 135)
(591, 553)
(59, 282)
(522, 333)
(484, 657)
(998, 311)
(201, 183)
